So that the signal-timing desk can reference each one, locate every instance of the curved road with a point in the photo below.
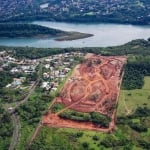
(15, 118)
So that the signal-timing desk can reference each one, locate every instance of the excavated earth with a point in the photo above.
(93, 87)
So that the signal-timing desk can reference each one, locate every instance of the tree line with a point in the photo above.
(25, 30)
(126, 49)
(97, 118)
(135, 70)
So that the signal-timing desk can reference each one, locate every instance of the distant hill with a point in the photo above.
(13, 30)
(113, 11)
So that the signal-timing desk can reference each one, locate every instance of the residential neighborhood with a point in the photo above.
(54, 70)
(17, 67)
(95, 8)
(119, 11)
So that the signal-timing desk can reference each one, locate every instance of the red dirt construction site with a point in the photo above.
(93, 87)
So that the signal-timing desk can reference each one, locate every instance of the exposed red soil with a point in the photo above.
(93, 87)
(54, 121)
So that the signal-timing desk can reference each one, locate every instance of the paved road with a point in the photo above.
(16, 132)
(17, 104)
(15, 118)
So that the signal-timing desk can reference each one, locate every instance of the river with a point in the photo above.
(104, 35)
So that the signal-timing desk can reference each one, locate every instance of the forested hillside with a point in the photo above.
(118, 11)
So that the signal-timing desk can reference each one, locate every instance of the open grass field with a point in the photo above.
(75, 139)
(69, 139)
(129, 100)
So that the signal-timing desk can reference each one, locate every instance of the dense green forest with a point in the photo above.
(26, 30)
(136, 68)
(5, 78)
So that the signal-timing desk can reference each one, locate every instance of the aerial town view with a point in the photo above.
(74, 75)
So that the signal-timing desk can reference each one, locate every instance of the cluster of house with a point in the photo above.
(27, 69)
(21, 66)
(74, 8)
(96, 7)
(24, 66)
(5, 59)
(56, 68)
(9, 7)
(16, 82)
(81, 7)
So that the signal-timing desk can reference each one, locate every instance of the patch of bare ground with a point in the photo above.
(93, 87)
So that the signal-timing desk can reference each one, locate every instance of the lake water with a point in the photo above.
(104, 35)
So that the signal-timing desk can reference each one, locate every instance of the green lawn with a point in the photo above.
(54, 137)
(131, 99)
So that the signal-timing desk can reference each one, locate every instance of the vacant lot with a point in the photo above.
(93, 87)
